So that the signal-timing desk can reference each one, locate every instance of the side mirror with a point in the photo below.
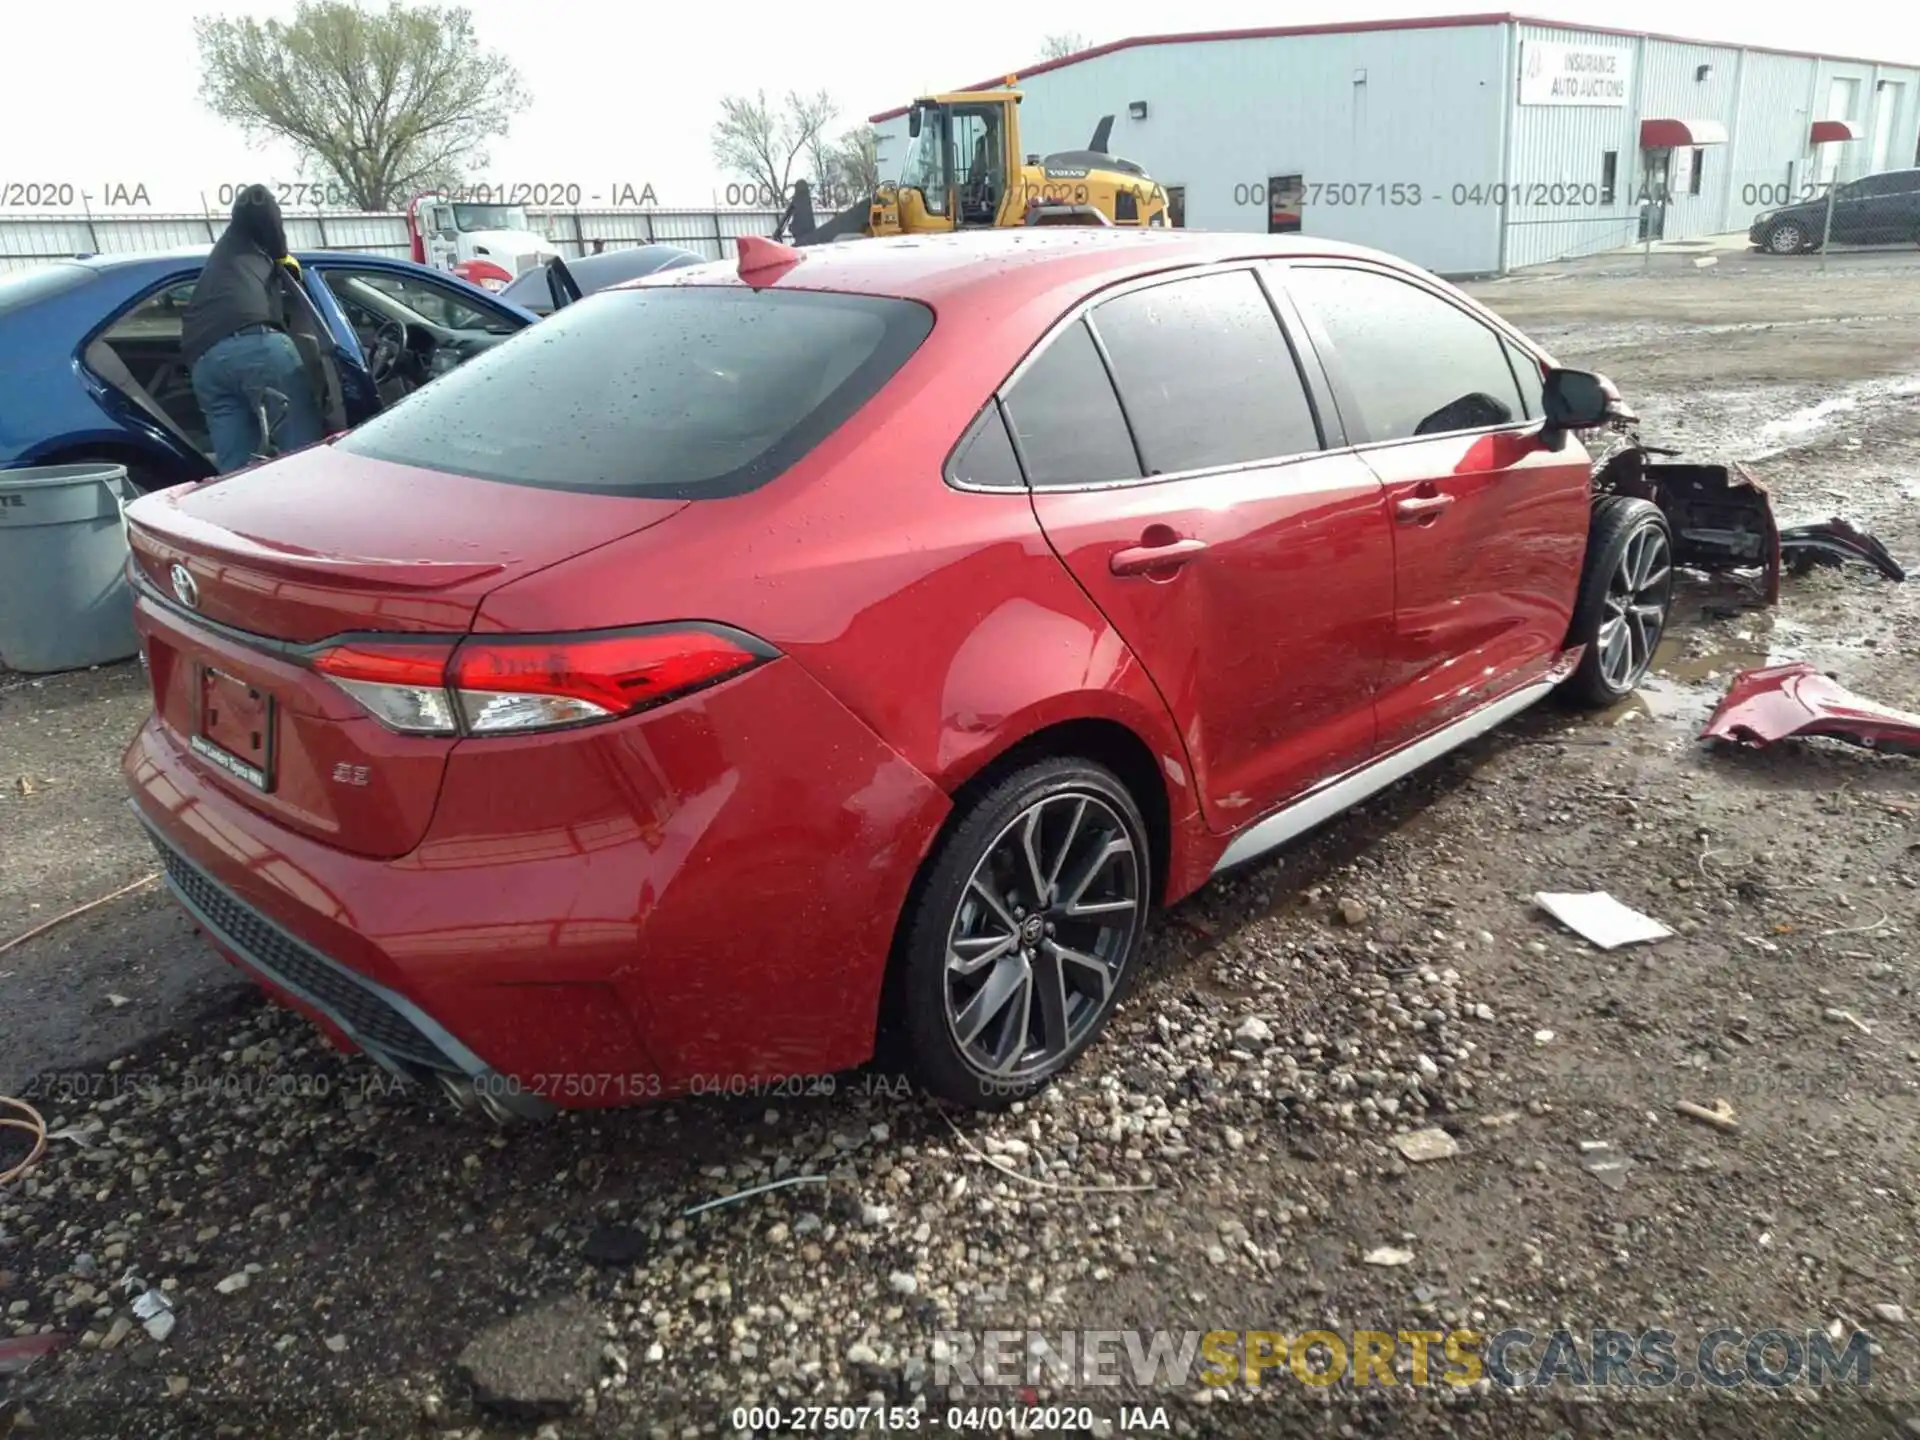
(913, 123)
(1574, 400)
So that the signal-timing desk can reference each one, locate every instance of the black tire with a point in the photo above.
(924, 992)
(1788, 237)
(1609, 593)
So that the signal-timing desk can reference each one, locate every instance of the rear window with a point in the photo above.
(690, 392)
(23, 287)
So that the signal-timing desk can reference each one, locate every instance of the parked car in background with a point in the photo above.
(90, 352)
(558, 282)
(1873, 210)
(847, 649)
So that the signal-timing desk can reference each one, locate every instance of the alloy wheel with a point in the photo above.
(1037, 944)
(1785, 239)
(1635, 610)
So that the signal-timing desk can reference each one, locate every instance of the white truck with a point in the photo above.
(483, 242)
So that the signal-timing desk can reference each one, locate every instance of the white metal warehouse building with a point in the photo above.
(1470, 144)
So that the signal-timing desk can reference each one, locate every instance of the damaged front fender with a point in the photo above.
(1721, 515)
(1780, 701)
(1722, 519)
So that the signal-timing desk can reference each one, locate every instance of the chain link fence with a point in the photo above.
(29, 240)
(1666, 219)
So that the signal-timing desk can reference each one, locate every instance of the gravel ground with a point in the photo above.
(342, 1259)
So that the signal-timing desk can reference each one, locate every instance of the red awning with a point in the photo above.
(1826, 130)
(1672, 134)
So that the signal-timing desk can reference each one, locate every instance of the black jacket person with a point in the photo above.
(235, 343)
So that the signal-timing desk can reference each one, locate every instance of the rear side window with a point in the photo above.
(985, 458)
(1066, 417)
(43, 282)
(1417, 365)
(1206, 374)
(684, 392)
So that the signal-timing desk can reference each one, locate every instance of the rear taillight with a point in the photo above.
(510, 684)
(403, 686)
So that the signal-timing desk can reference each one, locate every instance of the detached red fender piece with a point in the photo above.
(1779, 701)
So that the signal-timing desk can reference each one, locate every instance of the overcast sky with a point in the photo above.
(106, 92)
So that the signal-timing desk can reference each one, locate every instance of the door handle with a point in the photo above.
(1143, 559)
(1420, 509)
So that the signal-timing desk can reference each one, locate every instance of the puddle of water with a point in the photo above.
(1788, 430)
(1692, 667)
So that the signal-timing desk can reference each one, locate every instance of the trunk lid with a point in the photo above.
(316, 545)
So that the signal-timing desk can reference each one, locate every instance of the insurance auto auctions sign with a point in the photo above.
(1554, 74)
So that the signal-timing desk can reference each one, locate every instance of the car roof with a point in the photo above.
(597, 272)
(996, 291)
(944, 268)
(115, 259)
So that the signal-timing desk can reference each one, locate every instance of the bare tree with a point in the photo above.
(762, 144)
(848, 167)
(1058, 47)
(857, 159)
(380, 103)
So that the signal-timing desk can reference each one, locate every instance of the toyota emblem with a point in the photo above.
(184, 587)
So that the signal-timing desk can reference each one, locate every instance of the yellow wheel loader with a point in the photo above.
(964, 171)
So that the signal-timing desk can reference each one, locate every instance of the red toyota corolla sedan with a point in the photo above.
(758, 665)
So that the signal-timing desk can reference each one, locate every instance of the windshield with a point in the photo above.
(674, 392)
(490, 217)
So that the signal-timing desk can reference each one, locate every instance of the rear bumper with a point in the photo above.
(383, 1024)
(701, 899)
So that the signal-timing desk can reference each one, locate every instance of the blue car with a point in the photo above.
(90, 364)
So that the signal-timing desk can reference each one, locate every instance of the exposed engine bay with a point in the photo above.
(1723, 520)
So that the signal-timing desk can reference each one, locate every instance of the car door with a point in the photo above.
(134, 366)
(1885, 210)
(1853, 214)
(131, 364)
(1488, 524)
(1902, 207)
(313, 336)
(472, 318)
(1185, 463)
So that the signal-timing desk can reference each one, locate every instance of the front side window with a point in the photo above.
(1206, 374)
(1532, 377)
(411, 300)
(1417, 365)
(680, 392)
